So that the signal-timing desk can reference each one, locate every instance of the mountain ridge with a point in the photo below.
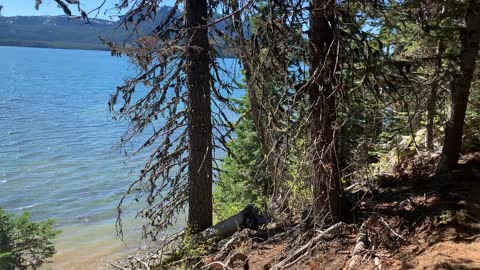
(57, 32)
(64, 32)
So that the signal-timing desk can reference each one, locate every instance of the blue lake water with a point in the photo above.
(58, 147)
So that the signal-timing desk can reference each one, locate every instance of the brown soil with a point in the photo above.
(435, 215)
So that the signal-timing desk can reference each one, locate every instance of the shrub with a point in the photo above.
(25, 244)
(243, 178)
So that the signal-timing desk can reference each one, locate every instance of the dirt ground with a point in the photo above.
(436, 219)
(445, 248)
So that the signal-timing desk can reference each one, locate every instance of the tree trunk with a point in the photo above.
(322, 88)
(432, 99)
(461, 86)
(199, 116)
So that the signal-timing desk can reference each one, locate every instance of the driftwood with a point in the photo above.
(249, 217)
(305, 248)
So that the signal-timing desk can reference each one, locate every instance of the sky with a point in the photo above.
(49, 7)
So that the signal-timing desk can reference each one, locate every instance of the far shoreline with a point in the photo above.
(86, 48)
(46, 46)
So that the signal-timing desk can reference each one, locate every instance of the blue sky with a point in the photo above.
(49, 7)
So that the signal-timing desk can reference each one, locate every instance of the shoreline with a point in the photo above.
(87, 246)
(46, 46)
(93, 245)
(41, 45)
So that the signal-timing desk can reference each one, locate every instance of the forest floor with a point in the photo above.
(437, 225)
(407, 222)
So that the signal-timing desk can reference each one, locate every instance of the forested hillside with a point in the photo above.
(57, 32)
(76, 32)
(69, 32)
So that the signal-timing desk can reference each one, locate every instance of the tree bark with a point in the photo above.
(461, 86)
(199, 116)
(322, 88)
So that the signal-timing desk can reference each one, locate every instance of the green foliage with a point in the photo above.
(298, 180)
(243, 178)
(25, 244)
(451, 216)
(187, 251)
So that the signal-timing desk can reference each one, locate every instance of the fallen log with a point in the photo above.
(249, 217)
(287, 261)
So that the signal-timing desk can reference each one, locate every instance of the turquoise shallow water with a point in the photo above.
(59, 157)
(58, 146)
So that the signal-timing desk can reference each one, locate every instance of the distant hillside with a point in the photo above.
(71, 33)
(63, 32)
(54, 31)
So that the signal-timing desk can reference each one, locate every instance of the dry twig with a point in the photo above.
(385, 224)
(299, 252)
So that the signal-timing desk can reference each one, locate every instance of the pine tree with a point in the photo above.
(199, 116)
(461, 85)
(322, 91)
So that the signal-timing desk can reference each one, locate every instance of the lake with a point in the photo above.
(59, 154)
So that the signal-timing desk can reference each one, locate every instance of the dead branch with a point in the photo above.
(385, 224)
(360, 246)
(142, 262)
(226, 248)
(298, 259)
(299, 252)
